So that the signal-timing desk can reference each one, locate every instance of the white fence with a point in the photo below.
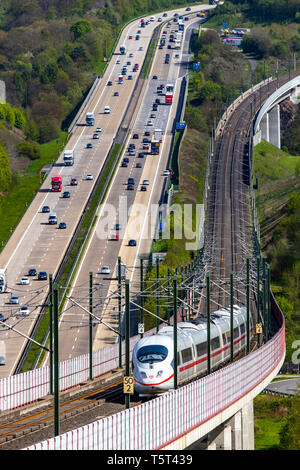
(158, 422)
(22, 389)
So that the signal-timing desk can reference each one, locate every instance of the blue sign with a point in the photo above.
(225, 25)
(196, 66)
(180, 125)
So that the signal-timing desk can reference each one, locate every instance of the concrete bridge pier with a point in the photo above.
(274, 126)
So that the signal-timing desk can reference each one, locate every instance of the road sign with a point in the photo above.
(196, 66)
(141, 328)
(180, 125)
(258, 328)
(128, 387)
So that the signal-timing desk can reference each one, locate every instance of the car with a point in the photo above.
(131, 146)
(74, 182)
(89, 177)
(116, 93)
(130, 187)
(141, 48)
(145, 140)
(98, 129)
(115, 237)
(66, 194)
(95, 136)
(130, 181)
(141, 155)
(129, 77)
(135, 136)
(109, 83)
(62, 225)
(159, 20)
(105, 270)
(42, 276)
(24, 311)
(188, 9)
(130, 55)
(132, 243)
(153, 116)
(176, 56)
(143, 188)
(24, 281)
(128, 62)
(154, 108)
(117, 227)
(147, 134)
(138, 165)
(32, 272)
(157, 101)
(118, 61)
(45, 209)
(131, 153)
(129, 37)
(146, 182)
(14, 299)
(126, 159)
(149, 123)
(145, 146)
(89, 146)
(160, 46)
(138, 31)
(154, 77)
(2, 318)
(166, 172)
(124, 165)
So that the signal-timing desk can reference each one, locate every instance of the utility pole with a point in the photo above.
(142, 299)
(51, 331)
(91, 326)
(157, 295)
(120, 310)
(248, 306)
(175, 331)
(208, 320)
(127, 337)
(56, 361)
(231, 317)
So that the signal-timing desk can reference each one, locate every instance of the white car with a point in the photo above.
(105, 270)
(118, 61)
(146, 182)
(24, 281)
(166, 172)
(131, 54)
(89, 176)
(14, 299)
(141, 48)
(24, 311)
(99, 129)
(149, 123)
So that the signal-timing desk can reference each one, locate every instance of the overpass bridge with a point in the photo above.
(216, 410)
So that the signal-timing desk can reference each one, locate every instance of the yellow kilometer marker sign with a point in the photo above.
(128, 385)
(258, 328)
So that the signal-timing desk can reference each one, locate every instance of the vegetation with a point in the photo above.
(277, 422)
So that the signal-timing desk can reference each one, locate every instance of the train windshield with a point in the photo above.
(153, 353)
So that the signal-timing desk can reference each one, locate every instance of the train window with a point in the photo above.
(236, 332)
(152, 353)
(242, 326)
(215, 343)
(201, 349)
(224, 338)
(187, 355)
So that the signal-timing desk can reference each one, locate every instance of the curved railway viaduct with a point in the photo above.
(216, 410)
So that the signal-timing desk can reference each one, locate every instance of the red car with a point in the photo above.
(129, 37)
(115, 237)
(145, 147)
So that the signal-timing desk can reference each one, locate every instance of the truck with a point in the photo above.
(123, 270)
(2, 353)
(169, 97)
(56, 183)
(158, 134)
(90, 119)
(155, 145)
(123, 49)
(69, 157)
(3, 281)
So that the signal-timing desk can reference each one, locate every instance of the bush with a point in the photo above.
(29, 150)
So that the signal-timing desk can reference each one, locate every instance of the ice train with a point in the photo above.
(153, 356)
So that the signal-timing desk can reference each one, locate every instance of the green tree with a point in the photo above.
(29, 150)
(80, 28)
(290, 433)
(5, 171)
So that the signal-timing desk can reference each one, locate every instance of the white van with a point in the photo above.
(106, 110)
(52, 218)
(152, 18)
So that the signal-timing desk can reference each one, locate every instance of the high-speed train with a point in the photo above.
(153, 356)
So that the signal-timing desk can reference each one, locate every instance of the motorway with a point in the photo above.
(37, 244)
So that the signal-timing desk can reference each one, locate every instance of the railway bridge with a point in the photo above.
(215, 411)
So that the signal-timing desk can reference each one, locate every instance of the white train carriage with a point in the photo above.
(153, 359)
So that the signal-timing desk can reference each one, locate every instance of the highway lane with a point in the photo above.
(34, 243)
(102, 250)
